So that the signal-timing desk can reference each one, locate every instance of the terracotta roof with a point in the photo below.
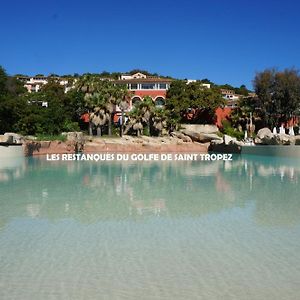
(144, 80)
(227, 91)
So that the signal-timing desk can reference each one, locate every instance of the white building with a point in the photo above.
(137, 75)
(207, 85)
(231, 98)
(34, 84)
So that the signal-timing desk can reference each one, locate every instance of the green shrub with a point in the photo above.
(229, 130)
(70, 126)
(146, 131)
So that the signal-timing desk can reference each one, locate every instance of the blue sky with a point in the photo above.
(225, 41)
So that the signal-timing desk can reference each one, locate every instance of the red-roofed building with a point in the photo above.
(141, 85)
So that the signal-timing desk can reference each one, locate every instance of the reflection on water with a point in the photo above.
(12, 168)
(161, 230)
(90, 192)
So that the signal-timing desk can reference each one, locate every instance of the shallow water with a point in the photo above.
(189, 230)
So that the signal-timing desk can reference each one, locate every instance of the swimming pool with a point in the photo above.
(150, 230)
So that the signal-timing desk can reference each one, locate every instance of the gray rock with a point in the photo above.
(240, 143)
(201, 128)
(75, 139)
(201, 137)
(284, 139)
(17, 138)
(276, 139)
(264, 132)
(297, 139)
(266, 141)
(216, 142)
(229, 140)
(6, 139)
(222, 148)
(74, 136)
(265, 137)
(181, 136)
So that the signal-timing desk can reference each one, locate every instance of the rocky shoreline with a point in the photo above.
(191, 139)
(126, 144)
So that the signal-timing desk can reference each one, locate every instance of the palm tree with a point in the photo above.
(135, 121)
(146, 108)
(100, 95)
(99, 117)
(88, 84)
(122, 100)
(159, 120)
(104, 96)
(146, 113)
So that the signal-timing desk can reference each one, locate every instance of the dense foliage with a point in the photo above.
(242, 90)
(10, 102)
(23, 112)
(51, 111)
(193, 99)
(278, 95)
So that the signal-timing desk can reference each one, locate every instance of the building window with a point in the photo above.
(135, 101)
(159, 101)
(134, 86)
(148, 86)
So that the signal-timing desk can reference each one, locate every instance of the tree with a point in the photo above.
(184, 98)
(122, 100)
(242, 90)
(103, 96)
(3, 80)
(135, 121)
(205, 80)
(146, 115)
(52, 119)
(278, 94)
(10, 105)
(89, 86)
(159, 120)
(146, 108)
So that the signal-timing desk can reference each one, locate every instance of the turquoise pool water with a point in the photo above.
(189, 230)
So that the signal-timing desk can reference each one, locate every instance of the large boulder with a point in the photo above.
(222, 148)
(264, 133)
(201, 128)
(201, 137)
(284, 139)
(75, 139)
(239, 143)
(181, 136)
(74, 136)
(216, 142)
(265, 137)
(6, 139)
(17, 138)
(229, 139)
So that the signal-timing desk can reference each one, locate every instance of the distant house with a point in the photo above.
(137, 75)
(34, 84)
(231, 98)
(207, 85)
